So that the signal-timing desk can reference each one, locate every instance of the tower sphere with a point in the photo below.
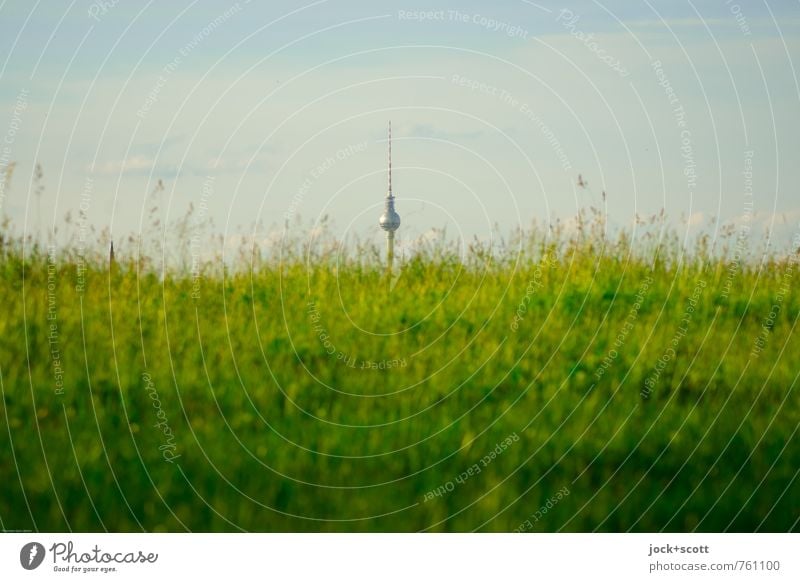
(390, 220)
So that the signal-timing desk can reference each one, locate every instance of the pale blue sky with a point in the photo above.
(256, 96)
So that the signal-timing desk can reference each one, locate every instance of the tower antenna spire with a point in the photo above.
(390, 158)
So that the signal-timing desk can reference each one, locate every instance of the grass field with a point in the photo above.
(552, 383)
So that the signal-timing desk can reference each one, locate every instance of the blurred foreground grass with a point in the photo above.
(655, 389)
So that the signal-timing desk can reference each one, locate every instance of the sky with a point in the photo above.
(262, 112)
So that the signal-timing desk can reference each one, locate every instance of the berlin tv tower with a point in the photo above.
(390, 220)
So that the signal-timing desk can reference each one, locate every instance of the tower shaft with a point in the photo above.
(390, 248)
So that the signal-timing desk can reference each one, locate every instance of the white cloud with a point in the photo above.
(131, 164)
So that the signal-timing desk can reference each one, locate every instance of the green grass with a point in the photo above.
(270, 432)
